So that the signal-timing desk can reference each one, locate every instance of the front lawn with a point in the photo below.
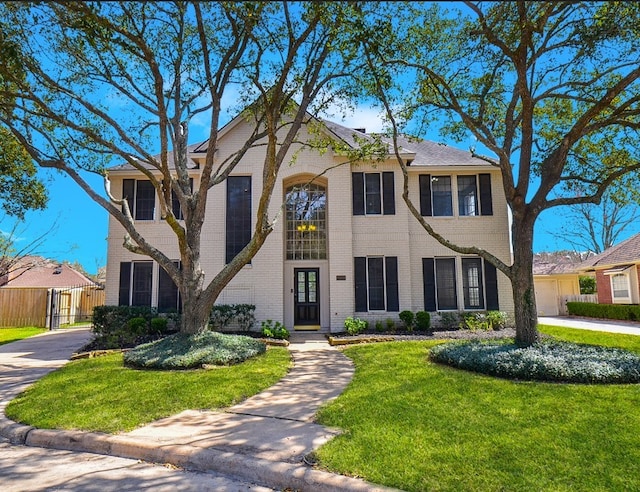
(419, 426)
(101, 394)
(8, 335)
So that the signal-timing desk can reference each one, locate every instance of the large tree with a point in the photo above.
(549, 90)
(109, 82)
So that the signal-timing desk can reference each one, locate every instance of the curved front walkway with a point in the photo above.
(263, 439)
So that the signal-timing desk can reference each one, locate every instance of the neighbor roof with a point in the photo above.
(625, 252)
(47, 274)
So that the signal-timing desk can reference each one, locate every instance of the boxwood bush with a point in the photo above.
(605, 311)
(189, 351)
(120, 326)
(545, 361)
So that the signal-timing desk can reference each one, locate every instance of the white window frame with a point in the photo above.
(620, 300)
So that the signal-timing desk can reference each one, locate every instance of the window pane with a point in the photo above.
(142, 276)
(168, 295)
(472, 283)
(375, 275)
(372, 193)
(145, 200)
(467, 195)
(446, 283)
(441, 202)
(620, 285)
(306, 222)
(238, 223)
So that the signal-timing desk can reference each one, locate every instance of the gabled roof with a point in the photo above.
(47, 273)
(627, 251)
(558, 263)
(419, 152)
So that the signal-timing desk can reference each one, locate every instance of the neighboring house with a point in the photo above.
(556, 280)
(42, 292)
(346, 244)
(617, 271)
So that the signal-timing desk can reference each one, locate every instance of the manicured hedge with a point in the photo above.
(605, 311)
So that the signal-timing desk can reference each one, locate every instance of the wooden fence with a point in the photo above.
(576, 298)
(48, 308)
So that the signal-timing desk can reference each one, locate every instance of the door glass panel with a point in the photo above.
(312, 286)
(302, 291)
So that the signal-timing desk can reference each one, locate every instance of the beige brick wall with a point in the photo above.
(268, 281)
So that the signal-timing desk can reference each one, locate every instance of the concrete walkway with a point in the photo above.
(264, 439)
(612, 326)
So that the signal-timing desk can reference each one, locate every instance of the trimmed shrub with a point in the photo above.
(605, 311)
(391, 325)
(353, 326)
(407, 318)
(189, 351)
(449, 321)
(545, 361)
(423, 321)
(114, 326)
(224, 315)
(159, 325)
(274, 330)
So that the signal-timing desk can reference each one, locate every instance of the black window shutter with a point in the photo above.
(486, 202)
(429, 283)
(391, 270)
(125, 282)
(425, 195)
(128, 191)
(388, 194)
(360, 273)
(491, 284)
(357, 180)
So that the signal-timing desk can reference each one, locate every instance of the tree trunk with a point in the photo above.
(524, 299)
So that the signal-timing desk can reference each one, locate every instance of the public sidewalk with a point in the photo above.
(612, 326)
(265, 439)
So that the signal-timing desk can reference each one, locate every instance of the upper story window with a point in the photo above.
(238, 216)
(373, 193)
(141, 197)
(436, 195)
(175, 203)
(306, 222)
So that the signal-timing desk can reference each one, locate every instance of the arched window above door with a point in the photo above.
(306, 222)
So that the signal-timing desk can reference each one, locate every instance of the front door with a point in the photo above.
(307, 298)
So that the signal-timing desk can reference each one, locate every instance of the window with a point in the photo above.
(436, 195)
(373, 193)
(376, 283)
(479, 284)
(238, 217)
(168, 294)
(620, 287)
(136, 286)
(306, 224)
(472, 283)
(467, 195)
(141, 198)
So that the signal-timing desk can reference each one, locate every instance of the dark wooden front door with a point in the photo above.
(307, 297)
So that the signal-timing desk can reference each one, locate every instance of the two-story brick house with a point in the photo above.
(345, 243)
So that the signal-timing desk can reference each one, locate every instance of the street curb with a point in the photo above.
(269, 473)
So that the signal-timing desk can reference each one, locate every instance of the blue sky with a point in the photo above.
(80, 233)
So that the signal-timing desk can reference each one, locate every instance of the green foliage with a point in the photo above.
(449, 321)
(391, 325)
(275, 330)
(120, 326)
(490, 320)
(224, 315)
(423, 321)
(379, 326)
(545, 361)
(186, 351)
(587, 284)
(407, 318)
(605, 311)
(159, 325)
(353, 326)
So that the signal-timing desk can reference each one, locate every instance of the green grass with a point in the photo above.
(100, 394)
(628, 342)
(8, 335)
(418, 426)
